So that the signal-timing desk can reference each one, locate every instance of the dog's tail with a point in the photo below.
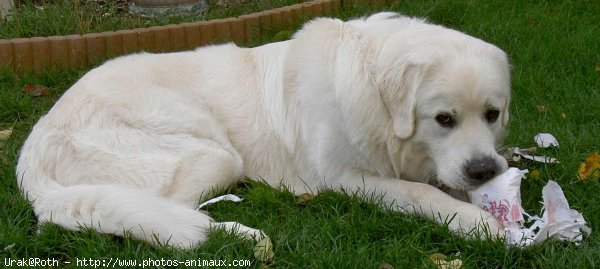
(112, 209)
(118, 210)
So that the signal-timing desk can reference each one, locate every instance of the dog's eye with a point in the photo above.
(492, 115)
(445, 120)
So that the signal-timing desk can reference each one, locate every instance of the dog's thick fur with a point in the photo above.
(137, 142)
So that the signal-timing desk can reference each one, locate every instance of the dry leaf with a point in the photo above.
(441, 262)
(5, 134)
(541, 108)
(263, 251)
(385, 265)
(453, 264)
(36, 90)
(437, 256)
(534, 174)
(598, 68)
(590, 168)
(563, 116)
(305, 197)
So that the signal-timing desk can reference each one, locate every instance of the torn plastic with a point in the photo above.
(226, 197)
(517, 153)
(263, 251)
(545, 140)
(501, 197)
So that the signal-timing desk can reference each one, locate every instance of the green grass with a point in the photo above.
(64, 17)
(554, 49)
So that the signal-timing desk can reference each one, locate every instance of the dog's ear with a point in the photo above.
(398, 86)
(503, 63)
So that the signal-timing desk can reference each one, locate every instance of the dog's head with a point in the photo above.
(450, 93)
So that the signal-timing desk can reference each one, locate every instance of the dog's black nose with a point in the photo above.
(481, 169)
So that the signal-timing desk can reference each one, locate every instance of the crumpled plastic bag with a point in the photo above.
(561, 222)
(501, 197)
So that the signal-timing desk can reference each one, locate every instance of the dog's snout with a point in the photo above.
(481, 169)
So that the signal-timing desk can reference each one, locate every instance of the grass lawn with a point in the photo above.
(554, 48)
(64, 17)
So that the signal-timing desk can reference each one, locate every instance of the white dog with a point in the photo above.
(385, 104)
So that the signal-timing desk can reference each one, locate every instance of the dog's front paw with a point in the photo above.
(473, 222)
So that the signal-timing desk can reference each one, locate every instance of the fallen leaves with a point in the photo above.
(563, 116)
(385, 265)
(534, 174)
(36, 90)
(590, 168)
(4, 135)
(305, 197)
(541, 108)
(263, 251)
(442, 262)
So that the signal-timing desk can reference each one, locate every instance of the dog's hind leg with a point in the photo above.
(212, 169)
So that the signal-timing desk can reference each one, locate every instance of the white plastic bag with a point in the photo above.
(226, 197)
(501, 197)
(545, 140)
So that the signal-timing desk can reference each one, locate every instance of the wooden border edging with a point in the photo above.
(38, 53)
